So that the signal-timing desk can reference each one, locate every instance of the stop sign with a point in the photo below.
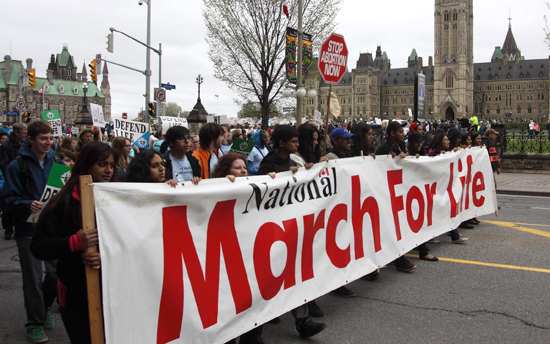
(333, 59)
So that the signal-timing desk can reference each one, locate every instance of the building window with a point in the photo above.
(62, 106)
(449, 80)
(529, 110)
(540, 109)
(75, 106)
(519, 109)
(45, 106)
(498, 110)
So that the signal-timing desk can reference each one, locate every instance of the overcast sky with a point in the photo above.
(37, 29)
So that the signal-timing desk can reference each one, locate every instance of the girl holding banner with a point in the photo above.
(59, 235)
(148, 167)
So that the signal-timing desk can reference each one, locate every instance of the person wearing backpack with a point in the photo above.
(25, 180)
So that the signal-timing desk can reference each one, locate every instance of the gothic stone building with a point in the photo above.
(62, 89)
(508, 88)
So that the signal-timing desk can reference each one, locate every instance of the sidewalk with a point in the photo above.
(528, 184)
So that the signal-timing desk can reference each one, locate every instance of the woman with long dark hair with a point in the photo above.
(363, 141)
(122, 146)
(309, 149)
(59, 235)
(148, 167)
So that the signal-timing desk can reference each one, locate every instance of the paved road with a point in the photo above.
(455, 300)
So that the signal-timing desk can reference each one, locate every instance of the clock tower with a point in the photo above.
(453, 59)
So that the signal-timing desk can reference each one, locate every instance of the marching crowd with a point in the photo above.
(58, 242)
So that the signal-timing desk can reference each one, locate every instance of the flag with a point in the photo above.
(334, 105)
(215, 95)
(285, 9)
(40, 90)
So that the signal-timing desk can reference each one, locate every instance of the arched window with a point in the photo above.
(449, 80)
(62, 106)
(446, 16)
(498, 109)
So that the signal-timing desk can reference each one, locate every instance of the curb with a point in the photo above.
(523, 193)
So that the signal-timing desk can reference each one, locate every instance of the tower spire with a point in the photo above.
(510, 17)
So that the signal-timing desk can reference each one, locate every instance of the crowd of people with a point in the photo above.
(58, 242)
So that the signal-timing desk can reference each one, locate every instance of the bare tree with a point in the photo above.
(247, 42)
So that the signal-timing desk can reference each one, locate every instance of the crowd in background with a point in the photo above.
(58, 241)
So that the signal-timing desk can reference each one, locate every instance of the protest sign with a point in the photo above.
(284, 241)
(218, 119)
(53, 117)
(243, 147)
(137, 132)
(59, 175)
(97, 115)
(166, 122)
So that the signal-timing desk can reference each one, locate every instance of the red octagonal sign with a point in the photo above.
(333, 59)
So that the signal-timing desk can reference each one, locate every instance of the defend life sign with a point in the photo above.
(333, 59)
(206, 263)
(53, 117)
(166, 122)
(137, 132)
(59, 175)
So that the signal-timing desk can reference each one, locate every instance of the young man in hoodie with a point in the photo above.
(21, 195)
(285, 141)
(8, 153)
(210, 140)
(259, 151)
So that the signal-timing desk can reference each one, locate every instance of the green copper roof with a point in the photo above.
(16, 67)
(68, 86)
(64, 58)
(384, 56)
(414, 55)
(497, 54)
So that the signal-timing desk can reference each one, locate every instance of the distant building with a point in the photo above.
(61, 88)
(508, 88)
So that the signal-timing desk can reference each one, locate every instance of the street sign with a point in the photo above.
(168, 86)
(333, 59)
(20, 105)
(11, 113)
(124, 115)
(161, 109)
(98, 64)
(289, 109)
(160, 95)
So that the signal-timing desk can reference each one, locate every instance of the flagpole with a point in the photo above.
(299, 64)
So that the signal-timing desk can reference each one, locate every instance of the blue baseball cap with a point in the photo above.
(340, 132)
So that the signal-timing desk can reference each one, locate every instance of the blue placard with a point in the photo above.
(7, 130)
(11, 113)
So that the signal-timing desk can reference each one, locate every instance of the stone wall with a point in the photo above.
(526, 162)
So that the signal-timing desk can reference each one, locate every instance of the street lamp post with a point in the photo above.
(299, 53)
(84, 119)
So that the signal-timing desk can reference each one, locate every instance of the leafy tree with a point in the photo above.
(173, 109)
(247, 42)
(251, 109)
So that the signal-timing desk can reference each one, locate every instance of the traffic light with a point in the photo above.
(152, 109)
(110, 42)
(92, 71)
(26, 117)
(32, 78)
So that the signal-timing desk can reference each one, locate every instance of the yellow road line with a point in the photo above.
(529, 224)
(513, 267)
(519, 228)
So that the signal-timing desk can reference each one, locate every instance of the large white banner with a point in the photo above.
(203, 264)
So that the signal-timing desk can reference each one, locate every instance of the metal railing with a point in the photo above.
(524, 141)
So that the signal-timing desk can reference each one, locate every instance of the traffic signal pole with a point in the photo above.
(147, 72)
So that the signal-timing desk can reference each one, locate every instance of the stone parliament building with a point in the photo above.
(508, 88)
(63, 89)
